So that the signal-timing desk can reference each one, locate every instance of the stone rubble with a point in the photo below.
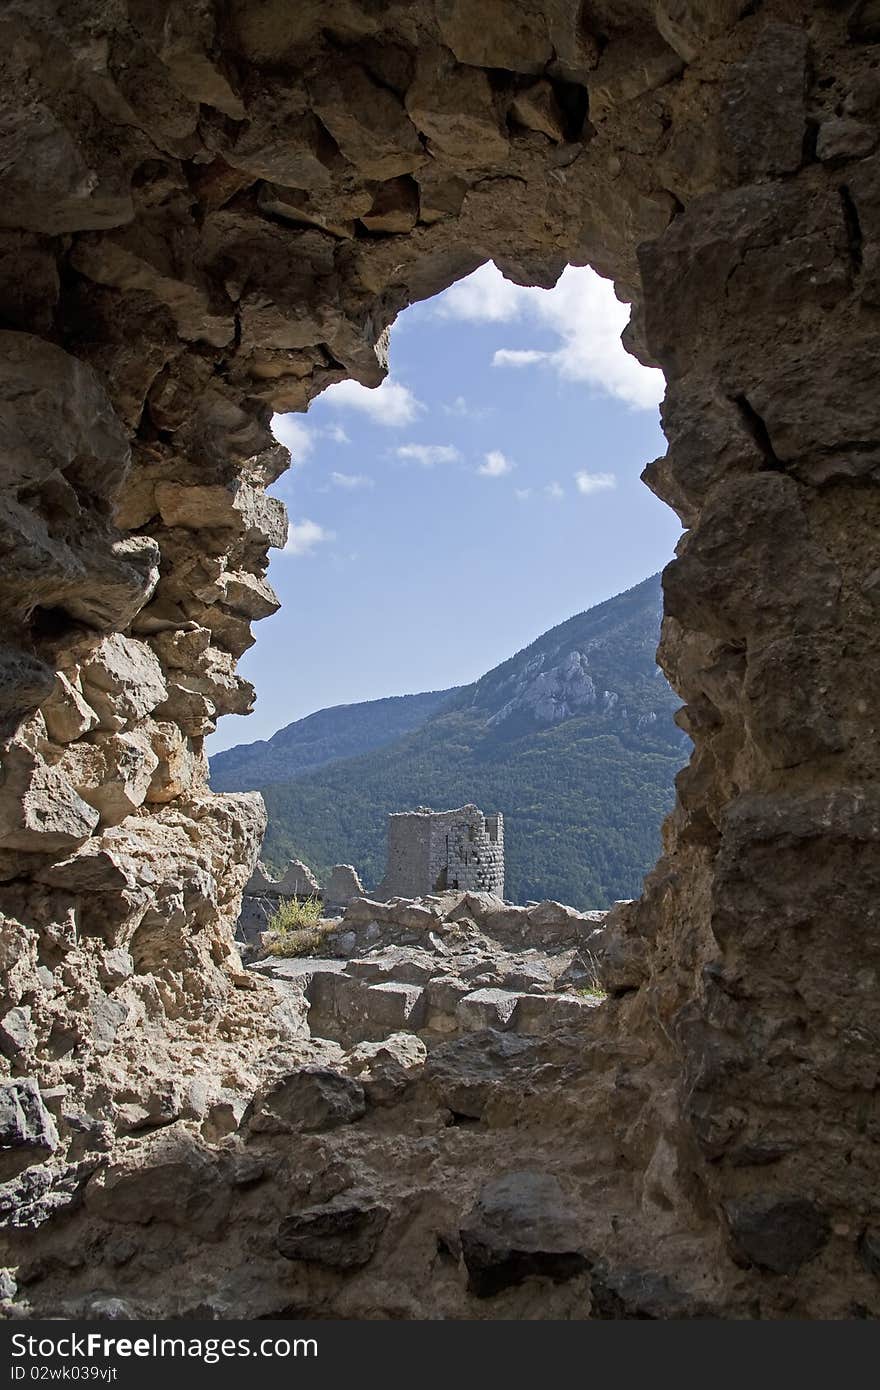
(391, 973)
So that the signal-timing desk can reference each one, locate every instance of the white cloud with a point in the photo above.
(554, 492)
(522, 494)
(429, 454)
(465, 411)
(303, 536)
(496, 465)
(516, 357)
(292, 431)
(351, 480)
(584, 314)
(594, 482)
(483, 297)
(391, 404)
(337, 434)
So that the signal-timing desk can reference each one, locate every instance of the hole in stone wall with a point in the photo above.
(456, 528)
(50, 623)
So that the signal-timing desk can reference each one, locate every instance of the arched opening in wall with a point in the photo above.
(481, 562)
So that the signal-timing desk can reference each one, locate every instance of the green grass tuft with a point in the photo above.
(296, 928)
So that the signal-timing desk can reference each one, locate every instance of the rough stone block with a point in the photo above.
(443, 996)
(408, 966)
(310, 1100)
(16, 1031)
(520, 1227)
(339, 1235)
(25, 1123)
(776, 1232)
(539, 1014)
(487, 1008)
(394, 1006)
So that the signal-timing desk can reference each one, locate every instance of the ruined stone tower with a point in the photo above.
(432, 850)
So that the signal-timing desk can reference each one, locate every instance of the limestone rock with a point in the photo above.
(66, 713)
(48, 180)
(55, 416)
(26, 1127)
(386, 1068)
(687, 24)
(622, 74)
(174, 1181)
(123, 680)
(514, 36)
(455, 108)
(16, 1032)
(240, 508)
(488, 1008)
(367, 121)
(537, 108)
(840, 139)
(108, 1016)
(40, 808)
(41, 1193)
(395, 207)
(297, 881)
(25, 683)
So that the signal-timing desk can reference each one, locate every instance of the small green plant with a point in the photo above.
(296, 928)
(593, 988)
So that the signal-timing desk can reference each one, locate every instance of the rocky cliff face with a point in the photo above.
(210, 211)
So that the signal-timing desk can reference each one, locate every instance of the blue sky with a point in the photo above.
(487, 490)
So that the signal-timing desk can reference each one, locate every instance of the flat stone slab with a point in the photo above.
(296, 967)
(409, 967)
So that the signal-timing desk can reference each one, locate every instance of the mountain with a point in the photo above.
(344, 731)
(572, 738)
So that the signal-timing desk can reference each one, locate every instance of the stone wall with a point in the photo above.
(209, 211)
(429, 851)
(263, 895)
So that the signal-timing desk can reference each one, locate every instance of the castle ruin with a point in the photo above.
(429, 851)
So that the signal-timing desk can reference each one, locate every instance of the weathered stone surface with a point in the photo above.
(173, 1181)
(66, 713)
(340, 1235)
(25, 683)
(186, 196)
(123, 680)
(395, 207)
(367, 121)
(455, 108)
(687, 24)
(520, 1228)
(537, 1014)
(488, 1008)
(40, 808)
(777, 1233)
(763, 111)
(312, 1099)
(386, 1068)
(16, 1032)
(342, 885)
(25, 1124)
